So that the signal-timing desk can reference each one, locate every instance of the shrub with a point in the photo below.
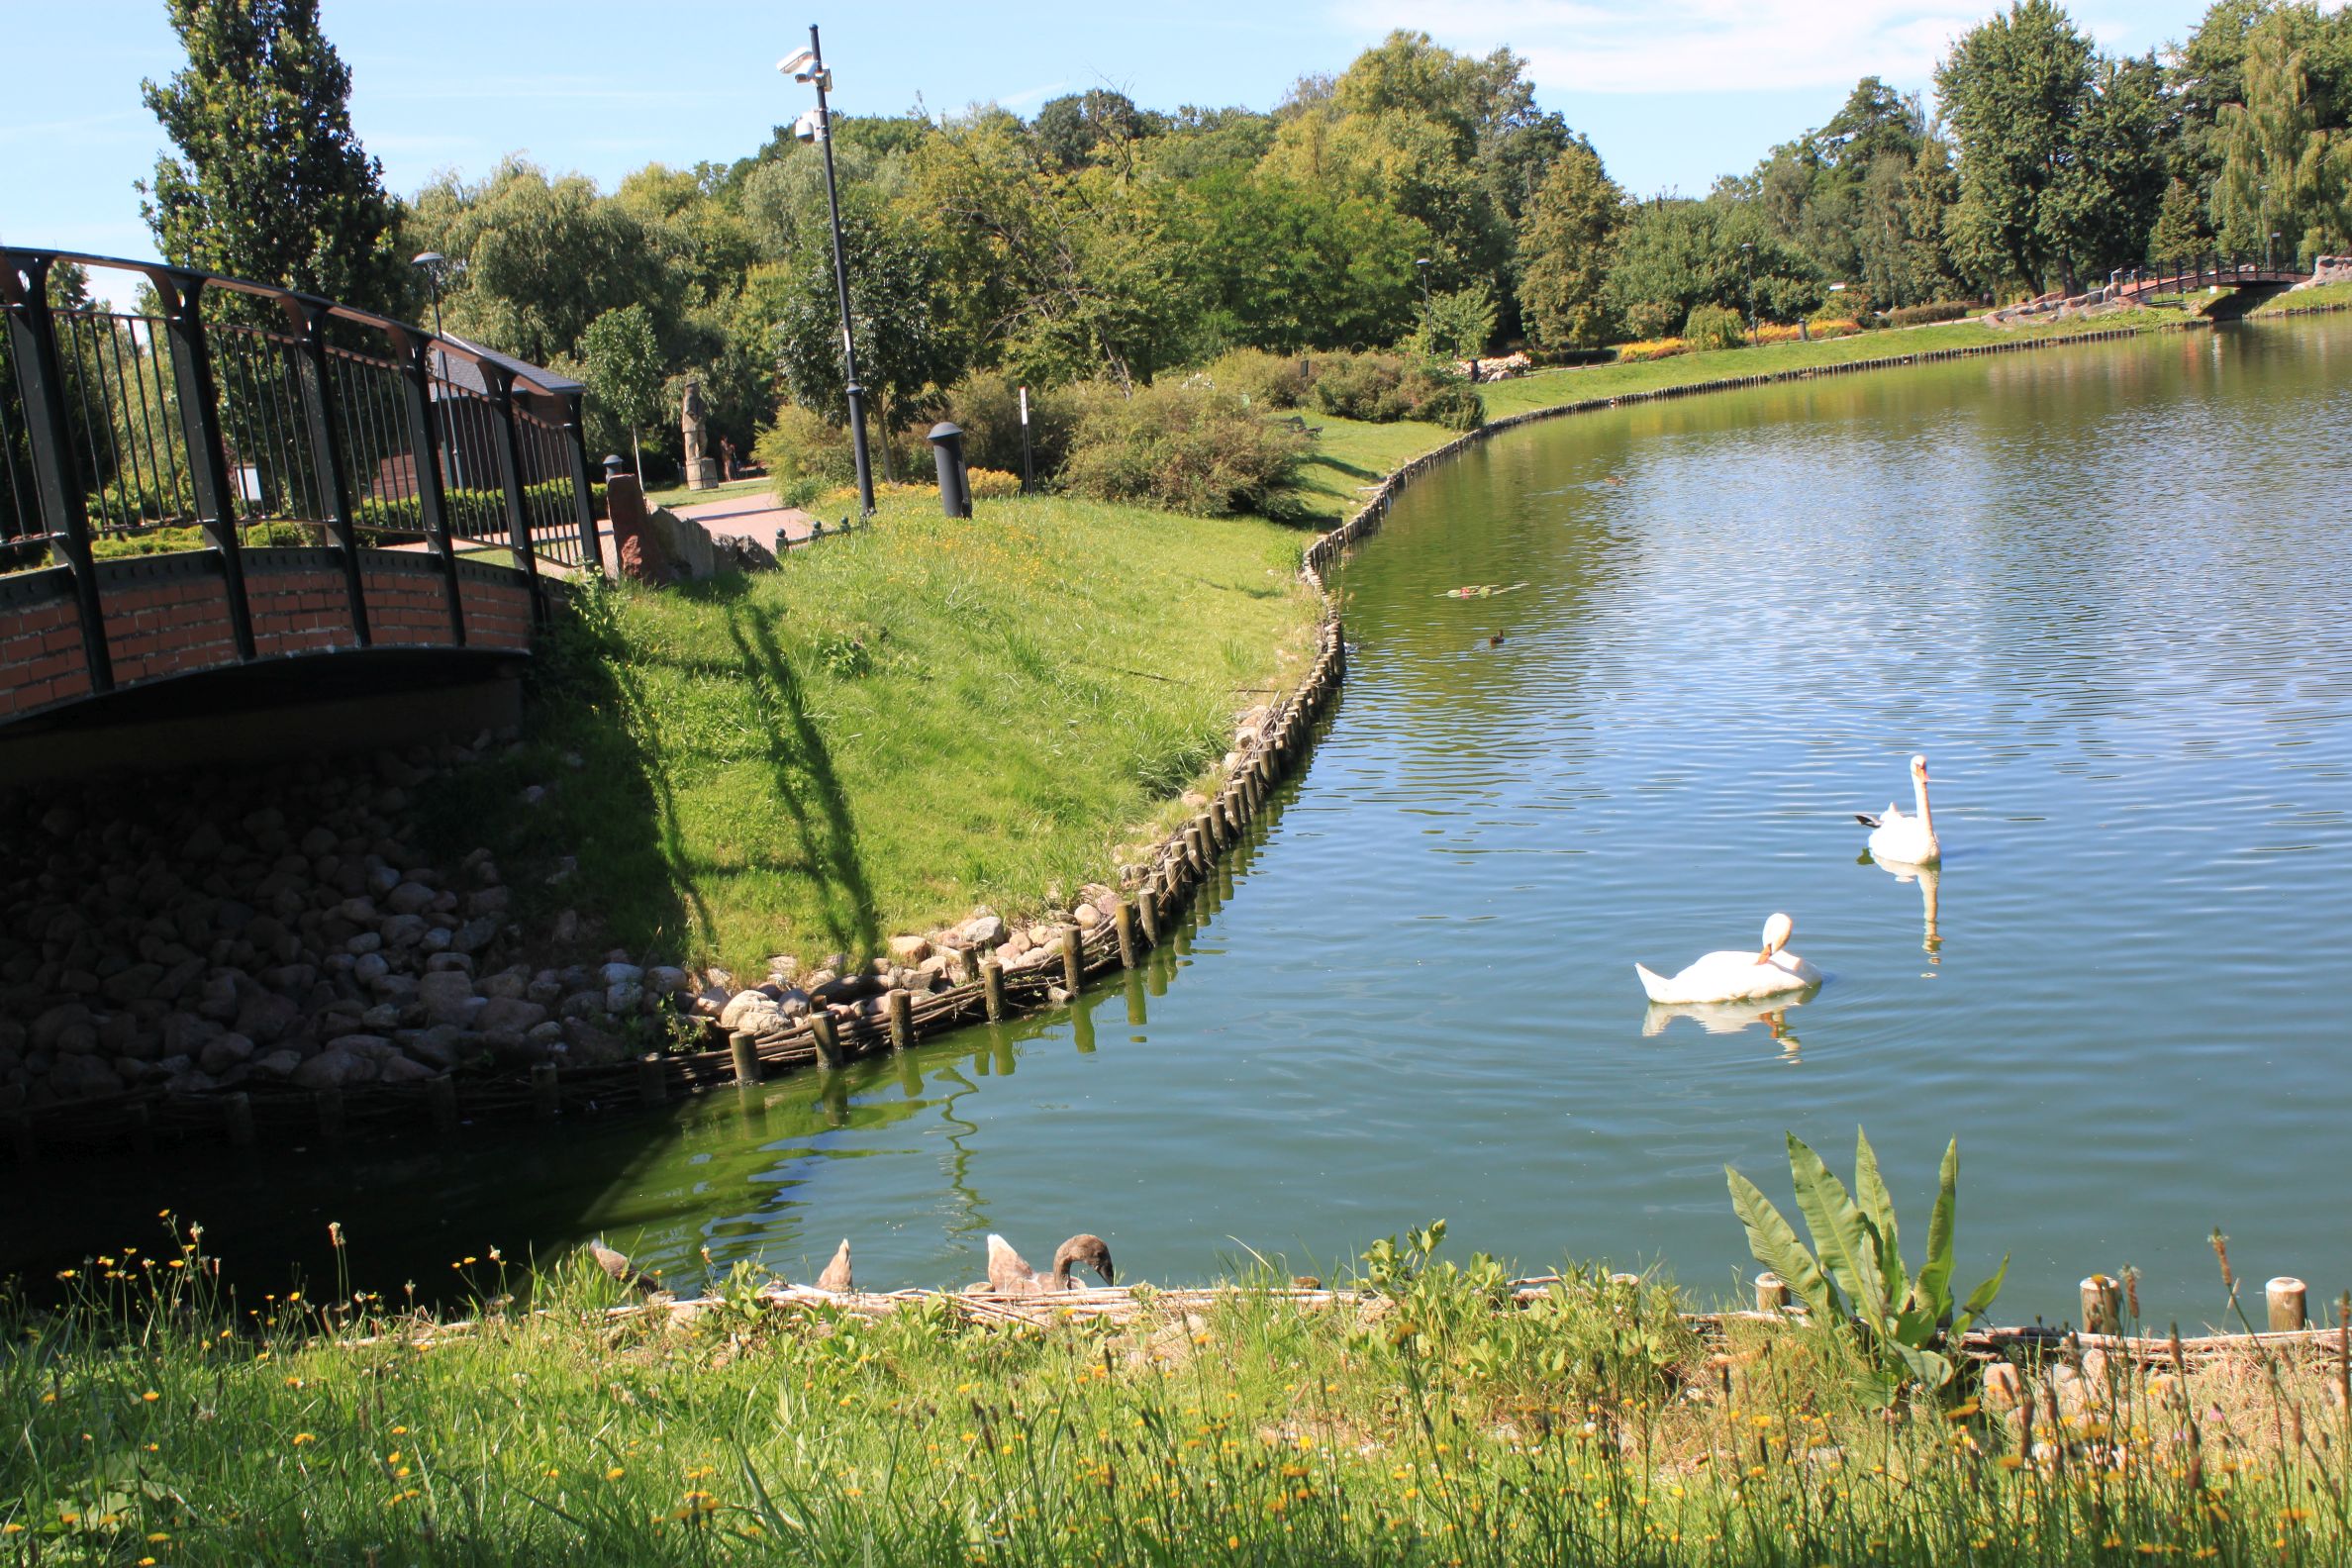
(1264, 381)
(986, 405)
(1189, 450)
(803, 444)
(1921, 315)
(992, 484)
(1715, 327)
(1651, 320)
(1383, 387)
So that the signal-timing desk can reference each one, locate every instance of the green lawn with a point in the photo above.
(1576, 383)
(2322, 294)
(892, 727)
(679, 495)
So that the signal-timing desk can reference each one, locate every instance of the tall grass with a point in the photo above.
(156, 1422)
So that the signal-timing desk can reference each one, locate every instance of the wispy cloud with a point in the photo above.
(1031, 95)
(1704, 46)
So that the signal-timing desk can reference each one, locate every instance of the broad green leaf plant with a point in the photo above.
(1854, 1274)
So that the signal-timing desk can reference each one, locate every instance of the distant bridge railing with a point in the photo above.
(2203, 272)
(334, 446)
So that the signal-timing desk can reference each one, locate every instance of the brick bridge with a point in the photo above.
(252, 488)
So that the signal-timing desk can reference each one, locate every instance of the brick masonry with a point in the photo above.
(168, 615)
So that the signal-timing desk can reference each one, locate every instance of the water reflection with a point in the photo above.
(1730, 1018)
(1931, 880)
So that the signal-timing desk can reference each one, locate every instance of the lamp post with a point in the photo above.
(1420, 264)
(817, 126)
(1747, 267)
(2269, 248)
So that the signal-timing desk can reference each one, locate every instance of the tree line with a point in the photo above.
(1421, 198)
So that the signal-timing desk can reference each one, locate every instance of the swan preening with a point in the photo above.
(1737, 976)
(1901, 839)
(1011, 1275)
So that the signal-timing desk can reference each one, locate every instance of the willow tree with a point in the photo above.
(2280, 171)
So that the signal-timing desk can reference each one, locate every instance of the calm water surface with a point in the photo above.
(2108, 590)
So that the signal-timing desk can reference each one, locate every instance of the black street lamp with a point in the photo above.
(817, 126)
(1420, 264)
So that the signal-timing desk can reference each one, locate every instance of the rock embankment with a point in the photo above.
(196, 932)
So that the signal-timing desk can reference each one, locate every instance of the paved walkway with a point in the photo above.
(754, 517)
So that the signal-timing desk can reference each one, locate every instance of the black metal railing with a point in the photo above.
(2186, 274)
(226, 413)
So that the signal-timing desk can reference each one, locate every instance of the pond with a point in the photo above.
(2107, 590)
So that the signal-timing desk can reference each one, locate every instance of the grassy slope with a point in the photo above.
(892, 726)
(1590, 1427)
(2327, 294)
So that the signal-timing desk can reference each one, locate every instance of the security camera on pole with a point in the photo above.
(815, 126)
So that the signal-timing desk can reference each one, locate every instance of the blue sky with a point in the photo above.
(1669, 90)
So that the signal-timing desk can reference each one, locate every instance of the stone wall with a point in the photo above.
(199, 931)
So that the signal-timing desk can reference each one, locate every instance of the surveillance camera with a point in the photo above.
(809, 127)
(793, 66)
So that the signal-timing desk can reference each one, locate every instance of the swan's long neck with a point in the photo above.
(1919, 796)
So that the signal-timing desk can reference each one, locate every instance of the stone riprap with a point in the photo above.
(194, 933)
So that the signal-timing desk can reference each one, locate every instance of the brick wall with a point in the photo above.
(163, 628)
(163, 618)
(497, 613)
(40, 657)
(299, 612)
(406, 609)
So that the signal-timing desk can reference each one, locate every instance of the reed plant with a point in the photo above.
(154, 1419)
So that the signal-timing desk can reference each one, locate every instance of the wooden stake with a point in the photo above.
(1073, 963)
(828, 1037)
(440, 1095)
(1123, 916)
(330, 1103)
(1772, 1293)
(991, 989)
(1148, 912)
(547, 1096)
(744, 1050)
(902, 1020)
(236, 1116)
(2102, 1303)
(652, 1082)
(142, 1128)
(2285, 1298)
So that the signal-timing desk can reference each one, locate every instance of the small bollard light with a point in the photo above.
(956, 490)
(615, 465)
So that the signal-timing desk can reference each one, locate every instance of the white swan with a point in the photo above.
(1906, 841)
(1737, 976)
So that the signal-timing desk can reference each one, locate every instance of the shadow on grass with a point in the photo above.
(807, 789)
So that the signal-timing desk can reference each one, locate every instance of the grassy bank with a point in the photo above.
(153, 1425)
(2334, 295)
(1352, 456)
(893, 727)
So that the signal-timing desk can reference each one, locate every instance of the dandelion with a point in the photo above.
(305, 1438)
(616, 1473)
